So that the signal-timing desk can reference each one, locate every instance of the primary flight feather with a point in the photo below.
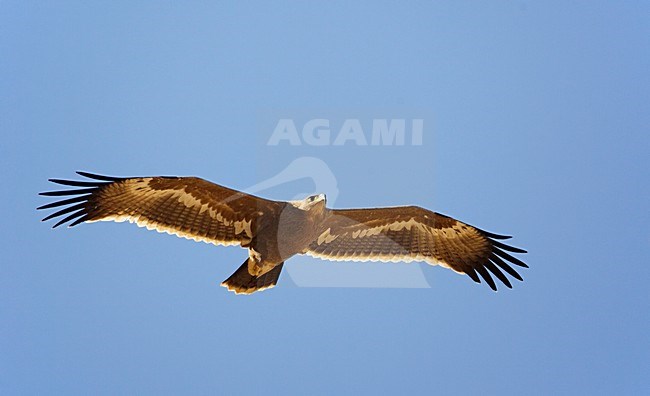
(274, 231)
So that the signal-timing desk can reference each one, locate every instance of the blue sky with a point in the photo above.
(536, 120)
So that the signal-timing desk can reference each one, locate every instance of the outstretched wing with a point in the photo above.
(411, 233)
(188, 207)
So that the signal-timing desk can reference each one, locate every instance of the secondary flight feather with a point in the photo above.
(274, 231)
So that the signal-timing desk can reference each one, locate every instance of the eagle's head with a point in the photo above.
(311, 202)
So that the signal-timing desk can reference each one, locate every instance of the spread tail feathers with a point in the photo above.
(242, 282)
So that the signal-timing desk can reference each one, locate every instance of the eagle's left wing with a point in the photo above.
(411, 233)
(188, 207)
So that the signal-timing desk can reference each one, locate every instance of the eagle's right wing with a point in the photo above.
(188, 207)
(411, 233)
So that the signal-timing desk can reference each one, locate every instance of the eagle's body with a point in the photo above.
(274, 231)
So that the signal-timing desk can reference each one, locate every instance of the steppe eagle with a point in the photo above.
(274, 231)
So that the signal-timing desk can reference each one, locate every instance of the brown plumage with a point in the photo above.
(274, 231)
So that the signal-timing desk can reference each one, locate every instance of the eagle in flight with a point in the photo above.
(274, 231)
